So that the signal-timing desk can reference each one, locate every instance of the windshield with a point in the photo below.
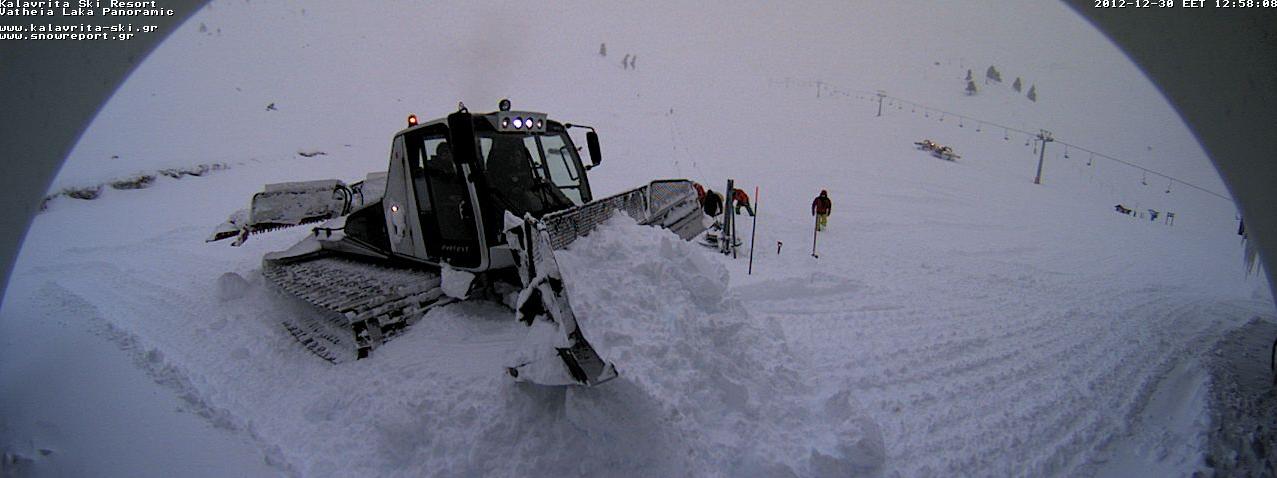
(533, 173)
(562, 160)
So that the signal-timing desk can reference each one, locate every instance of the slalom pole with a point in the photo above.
(753, 232)
(729, 219)
(734, 233)
(815, 228)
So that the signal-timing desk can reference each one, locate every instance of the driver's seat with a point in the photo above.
(509, 172)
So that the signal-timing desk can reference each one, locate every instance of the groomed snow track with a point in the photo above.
(358, 305)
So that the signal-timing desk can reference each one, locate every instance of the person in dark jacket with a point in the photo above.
(713, 203)
(821, 207)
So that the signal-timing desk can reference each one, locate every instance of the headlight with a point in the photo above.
(518, 123)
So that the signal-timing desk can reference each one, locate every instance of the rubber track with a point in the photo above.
(360, 305)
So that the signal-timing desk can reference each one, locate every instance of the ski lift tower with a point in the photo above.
(1045, 137)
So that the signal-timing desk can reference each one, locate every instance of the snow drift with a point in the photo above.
(725, 384)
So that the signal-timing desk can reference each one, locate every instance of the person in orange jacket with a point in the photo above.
(742, 200)
(821, 207)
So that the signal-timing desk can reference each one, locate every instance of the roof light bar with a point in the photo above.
(518, 121)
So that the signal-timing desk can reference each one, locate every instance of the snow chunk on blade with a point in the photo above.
(660, 307)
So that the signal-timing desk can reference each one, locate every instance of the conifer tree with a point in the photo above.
(992, 74)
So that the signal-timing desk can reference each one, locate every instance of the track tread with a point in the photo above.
(351, 296)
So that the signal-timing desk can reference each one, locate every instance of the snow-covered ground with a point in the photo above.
(959, 320)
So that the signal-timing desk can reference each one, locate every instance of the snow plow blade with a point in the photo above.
(566, 356)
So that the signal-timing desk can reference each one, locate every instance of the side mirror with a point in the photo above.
(592, 140)
(462, 139)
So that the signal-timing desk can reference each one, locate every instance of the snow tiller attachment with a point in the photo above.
(938, 150)
(474, 205)
(291, 204)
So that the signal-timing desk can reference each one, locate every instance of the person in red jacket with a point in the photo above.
(742, 200)
(821, 207)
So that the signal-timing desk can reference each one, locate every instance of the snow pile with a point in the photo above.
(231, 286)
(724, 383)
(1242, 432)
(455, 282)
(1170, 434)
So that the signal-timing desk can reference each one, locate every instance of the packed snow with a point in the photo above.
(960, 320)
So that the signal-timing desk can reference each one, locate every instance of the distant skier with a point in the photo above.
(821, 207)
(742, 200)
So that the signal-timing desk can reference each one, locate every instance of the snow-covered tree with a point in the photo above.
(992, 74)
(1016, 86)
(971, 89)
(1033, 93)
(603, 49)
